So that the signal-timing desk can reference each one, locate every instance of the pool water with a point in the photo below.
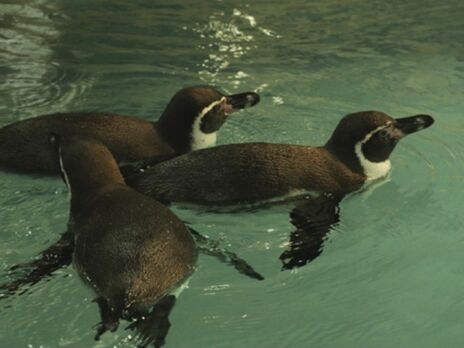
(391, 273)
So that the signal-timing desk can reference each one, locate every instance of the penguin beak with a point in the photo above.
(240, 101)
(412, 124)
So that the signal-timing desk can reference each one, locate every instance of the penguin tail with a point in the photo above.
(109, 317)
(57, 256)
(153, 328)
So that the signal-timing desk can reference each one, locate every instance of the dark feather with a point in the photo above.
(128, 169)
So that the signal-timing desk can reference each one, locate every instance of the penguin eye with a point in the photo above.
(383, 134)
(215, 110)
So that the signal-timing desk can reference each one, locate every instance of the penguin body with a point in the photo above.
(246, 173)
(130, 249)
(357, 152)
(190, 121)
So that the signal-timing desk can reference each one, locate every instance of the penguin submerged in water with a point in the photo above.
(91, 168)
(189, 122)
(357, 152)
(131, 250)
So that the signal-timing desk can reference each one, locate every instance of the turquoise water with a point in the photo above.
(391, 274)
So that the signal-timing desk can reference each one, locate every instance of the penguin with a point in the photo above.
(317, 178)
(60, 254)
(131, 250)
(357, 152)
(189, 122)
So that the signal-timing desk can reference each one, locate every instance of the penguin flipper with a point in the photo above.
(57, 256)
(128, 169)
(154, 327)
(211, 247)
(313, 219)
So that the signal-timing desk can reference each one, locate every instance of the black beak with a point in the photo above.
(243, 100)
(412, 124)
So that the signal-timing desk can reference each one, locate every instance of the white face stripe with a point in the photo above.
(63, 171)
(372, 170)
(201, 140)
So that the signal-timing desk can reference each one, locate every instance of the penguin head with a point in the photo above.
(194, 115)
(86, 164)
(365, 140)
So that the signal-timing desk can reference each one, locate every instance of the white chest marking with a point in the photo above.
(372, 170)
(201, 140)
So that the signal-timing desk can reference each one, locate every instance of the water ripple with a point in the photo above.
(33, 81)
(390, 273)
(228, 38)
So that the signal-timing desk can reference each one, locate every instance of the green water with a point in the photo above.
(391, 274)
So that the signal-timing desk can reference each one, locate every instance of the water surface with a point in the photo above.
(391, 273)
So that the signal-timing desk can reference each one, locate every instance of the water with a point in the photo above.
(391, 273)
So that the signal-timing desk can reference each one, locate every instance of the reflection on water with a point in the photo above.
(390, 274)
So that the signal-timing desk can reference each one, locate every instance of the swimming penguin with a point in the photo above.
(357, 152)
(59, 254)
(130, 249)
(189, 122)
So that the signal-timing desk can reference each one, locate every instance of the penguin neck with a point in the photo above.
(200, 139)
(184, 133)
(83, 187)
(83, 200)
(354, 158)
(175, 131)
(346, 155)
(372, 170)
